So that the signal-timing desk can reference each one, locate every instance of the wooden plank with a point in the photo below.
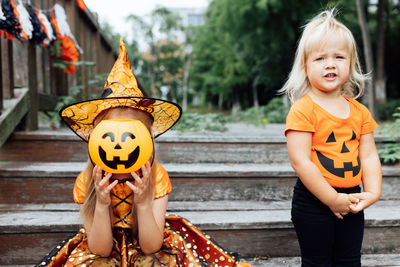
(36, 190)
(28, 248)
(15, 110)
(7, 68)
(183, 153)
(11, 69)
(56, 220)
(32, 116)
(45, 151)
(253, 243)
(58, 189)
(21, 63)
(1, 76)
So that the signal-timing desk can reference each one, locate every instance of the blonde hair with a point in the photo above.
(297, 84)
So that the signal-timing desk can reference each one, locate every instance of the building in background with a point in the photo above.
(190, 17)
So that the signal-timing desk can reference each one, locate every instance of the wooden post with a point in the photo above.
(7, 68)
(32, 116)
(1, 80)
(11, 68)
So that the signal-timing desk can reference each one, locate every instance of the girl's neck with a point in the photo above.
(334, 104)
(325, 96)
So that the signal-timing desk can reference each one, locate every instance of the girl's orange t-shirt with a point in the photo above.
(335, 141)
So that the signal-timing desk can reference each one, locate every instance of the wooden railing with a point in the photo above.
(29, 81)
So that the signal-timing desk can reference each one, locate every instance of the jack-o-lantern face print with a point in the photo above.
(120, 146)
(349, 165)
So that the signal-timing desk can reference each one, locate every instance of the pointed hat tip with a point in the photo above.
(122, 73)
(122, 49)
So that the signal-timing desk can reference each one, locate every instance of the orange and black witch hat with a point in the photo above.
(120, 90)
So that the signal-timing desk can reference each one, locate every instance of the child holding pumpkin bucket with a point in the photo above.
(331, 145)
(124, 196)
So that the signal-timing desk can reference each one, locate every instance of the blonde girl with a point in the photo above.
(124, 213)
(330, 144)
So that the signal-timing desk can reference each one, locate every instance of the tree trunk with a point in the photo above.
(152, 77)
(220, 100)
(255, 95)
(380, 85)
(186, 82)
(150, 74)
(235, 101)
(367, 55)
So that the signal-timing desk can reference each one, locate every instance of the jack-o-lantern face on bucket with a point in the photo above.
(120, 146)
(341, 147)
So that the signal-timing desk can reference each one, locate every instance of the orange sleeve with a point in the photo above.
(163, 184)
(369, 124)
(79, 191)
(299, 117)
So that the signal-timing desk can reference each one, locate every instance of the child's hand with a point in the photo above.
(143, 193)
(341, 206)
(366, 200)
(102, 186)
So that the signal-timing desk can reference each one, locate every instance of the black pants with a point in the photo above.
(324, 239)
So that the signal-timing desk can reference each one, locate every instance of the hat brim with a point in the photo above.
(80, 116)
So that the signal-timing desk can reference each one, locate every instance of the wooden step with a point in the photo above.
(250, 228)
(63, 145)
(367, 260)
(243, 144)
(52, 182)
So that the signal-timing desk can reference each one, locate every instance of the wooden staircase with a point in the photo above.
(235, 186)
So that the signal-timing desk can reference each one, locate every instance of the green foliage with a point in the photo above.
(390, 153)
(58, 63)
(195, 122)
(247, 44)
(76, 92)
(392, 67)
(386, 111)
(274, 112)
(252, 115)
(52, 117)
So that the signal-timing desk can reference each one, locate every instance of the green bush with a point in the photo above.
(390, 153)
(194, 122)
(276, 110)
(386, 111)
(252, 115)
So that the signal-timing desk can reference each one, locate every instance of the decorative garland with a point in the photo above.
(23, 21)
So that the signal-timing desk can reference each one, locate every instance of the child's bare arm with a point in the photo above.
(299, 148)
(100, 239)
(150, 212)
(372, 174)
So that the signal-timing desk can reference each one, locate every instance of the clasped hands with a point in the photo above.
(354, 203)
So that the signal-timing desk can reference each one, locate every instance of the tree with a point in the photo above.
(380, 83)
(367, 54)
(162, 64)
(244, 51)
